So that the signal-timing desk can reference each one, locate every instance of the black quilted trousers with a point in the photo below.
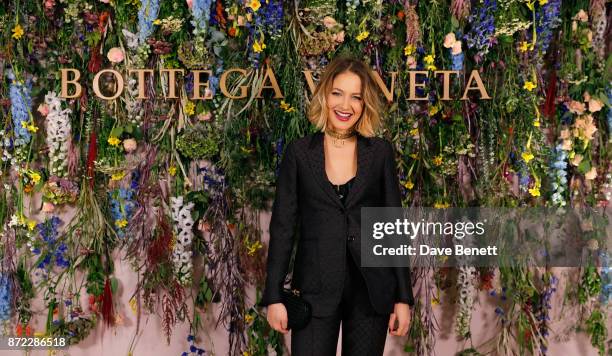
(363, 330)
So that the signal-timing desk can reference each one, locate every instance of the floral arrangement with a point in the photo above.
(183, 175)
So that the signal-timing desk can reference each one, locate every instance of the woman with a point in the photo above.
(324, 180)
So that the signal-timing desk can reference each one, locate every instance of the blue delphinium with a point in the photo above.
(122, 206)
(146, 15)
(200, 10)
(457, 59)
(5, 297)
(272, 13)
(605, 296)
(547, 20)
(54, 249)
(21, 102)
(193, 349)
(558, 175)
(481, 35)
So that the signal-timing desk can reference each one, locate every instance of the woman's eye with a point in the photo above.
(336, 94)
(356, 97)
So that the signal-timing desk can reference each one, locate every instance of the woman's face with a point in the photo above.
(344, 101)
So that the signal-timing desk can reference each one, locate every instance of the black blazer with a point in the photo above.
(327, 228)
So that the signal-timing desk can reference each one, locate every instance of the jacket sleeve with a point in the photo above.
(393, 199)
(282, 227)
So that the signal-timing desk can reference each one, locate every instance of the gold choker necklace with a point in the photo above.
(338, 138)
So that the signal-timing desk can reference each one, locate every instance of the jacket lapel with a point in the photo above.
(316, 155)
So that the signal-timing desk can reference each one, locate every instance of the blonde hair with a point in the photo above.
(369, 121)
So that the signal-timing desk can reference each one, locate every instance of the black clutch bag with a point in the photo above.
(299, 311)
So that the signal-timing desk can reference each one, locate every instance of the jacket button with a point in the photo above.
(351, 238)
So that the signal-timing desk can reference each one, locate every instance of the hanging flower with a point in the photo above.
(362, 36)
(183, 229)
(409, 49)
(258, 47)
(113, 141)
(529, 86)
(254, 5)
(115, 55)
(17, 32)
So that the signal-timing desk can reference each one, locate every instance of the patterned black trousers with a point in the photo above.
(363, 330)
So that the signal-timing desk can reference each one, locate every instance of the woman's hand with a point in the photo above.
(401, 313)
(277, 317)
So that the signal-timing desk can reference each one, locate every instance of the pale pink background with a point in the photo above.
(115, 341)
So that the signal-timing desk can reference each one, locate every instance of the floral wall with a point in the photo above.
(174, 185)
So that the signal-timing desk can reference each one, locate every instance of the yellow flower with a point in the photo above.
(113, 141)
(254, 247)
(529, 85)
(31, 224)
(431, 67)
(409, 184)
(429, 59)
(246, 353)
(409, 49)
(32, 128)
(172, 170)
(118, 175)
(414, 132)
(414, 156)
(248, 318)
(254, 4)
(18, 32)
(437, 160)
(189, 108)
(536, 123)
(286, 107)
(535, 191)
(439, 205)
(434, 109)
(157, 22)
(543, 2)
(35, 177)
(257, 47)
(121, 223)
(133, 305)
(527, 156)
(524, 46)
(362, 36)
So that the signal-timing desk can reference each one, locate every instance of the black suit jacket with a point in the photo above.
(327, 227)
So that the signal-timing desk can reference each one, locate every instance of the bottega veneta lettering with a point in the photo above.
(70, 79)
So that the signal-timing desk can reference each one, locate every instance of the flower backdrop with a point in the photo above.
(176, 184)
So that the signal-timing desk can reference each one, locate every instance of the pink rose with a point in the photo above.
(582, 16)
(456, 48)
(449, 40)
(48, 207)
(592, 174)
(595, 105)
(339, 37)
(189, 4)
(43, 109)
(130, 145)
(115, 55)
(576, 107)
(411, 62)
(105, 1)
(329, 22)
